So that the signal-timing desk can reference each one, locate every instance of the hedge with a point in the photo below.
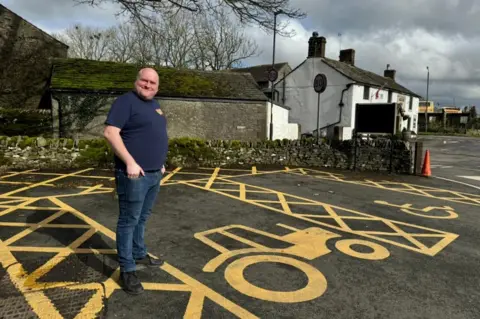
(14, 122)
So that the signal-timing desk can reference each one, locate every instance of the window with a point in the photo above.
(366, 92)
(390, 93)
(410, 105)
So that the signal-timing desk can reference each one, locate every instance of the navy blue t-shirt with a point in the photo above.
(142, 128)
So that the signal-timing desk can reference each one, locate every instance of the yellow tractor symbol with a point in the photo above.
(309, 243)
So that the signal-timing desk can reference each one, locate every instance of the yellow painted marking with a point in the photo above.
(15, 183)
(309, 243)
(413, 189)
(242, 192)
(241, 239)
(44, 182)
(379, 252)
(284, 203)
(90, 189)
(288, 227)
(84, 217)
(209, 293)
(17, 173)
(195, 306)
(95, 251)
(30, 230)
(317, 284)
(407, 208)
(19, 206)
(4, 202)
(166, 178)
(166, 287)
(254, 170)
(36, 249)
(417, 246)
(32, 207)
(302, 171)
(335, 216)
(40, 303)
(212, 178)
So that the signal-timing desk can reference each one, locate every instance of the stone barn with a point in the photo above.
(201, 104)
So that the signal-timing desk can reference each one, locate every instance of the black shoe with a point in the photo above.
(130, 283)
(149, 261)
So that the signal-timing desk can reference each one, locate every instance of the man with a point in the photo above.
(136, 129)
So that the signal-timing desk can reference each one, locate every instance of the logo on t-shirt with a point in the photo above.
(159, 111)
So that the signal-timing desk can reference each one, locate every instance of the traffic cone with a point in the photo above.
(426, 165)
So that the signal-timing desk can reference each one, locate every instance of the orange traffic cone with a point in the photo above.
(426, 165)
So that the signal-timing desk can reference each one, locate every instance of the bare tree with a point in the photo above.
(122, 47)
(257, 12)
(86, 42)
(221, 44)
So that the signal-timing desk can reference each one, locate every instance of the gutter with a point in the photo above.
(341, 105)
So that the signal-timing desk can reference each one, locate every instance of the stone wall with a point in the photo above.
(373, 155)
(204, 119)
(25, 53)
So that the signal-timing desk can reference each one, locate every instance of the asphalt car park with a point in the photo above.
(281, 243)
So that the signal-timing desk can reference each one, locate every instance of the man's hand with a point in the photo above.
(134, 170)
(163, 169)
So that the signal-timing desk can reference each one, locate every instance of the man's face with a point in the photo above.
(147, 84)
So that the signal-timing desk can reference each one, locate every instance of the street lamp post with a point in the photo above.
(427, 103)
(273, 67)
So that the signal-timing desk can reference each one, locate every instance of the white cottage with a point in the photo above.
(348, 87)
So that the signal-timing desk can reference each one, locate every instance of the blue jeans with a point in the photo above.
(136, 197)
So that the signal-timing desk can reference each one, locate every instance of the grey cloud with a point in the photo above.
(54, 15)
(360, 16)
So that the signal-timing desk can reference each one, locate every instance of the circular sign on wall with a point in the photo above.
(320, 83)
(272, 75)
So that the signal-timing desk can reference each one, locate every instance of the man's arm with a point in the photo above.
(117, 118)
(112, 135)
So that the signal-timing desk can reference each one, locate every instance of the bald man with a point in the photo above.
(137, 131)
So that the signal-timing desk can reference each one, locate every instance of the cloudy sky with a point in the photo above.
(409, 35)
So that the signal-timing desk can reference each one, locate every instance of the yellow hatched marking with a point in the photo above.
(413, 189)
(242, 192)
(284, 203)
(44, 182)
(212, 178)
(169, 176)
(254, 170)
(12, 174)
(417, 246)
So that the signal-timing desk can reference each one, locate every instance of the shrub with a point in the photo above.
(14, 122)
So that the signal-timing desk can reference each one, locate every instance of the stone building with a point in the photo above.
(201, 104)
(354, 98)
(260, 74)
(25, 53)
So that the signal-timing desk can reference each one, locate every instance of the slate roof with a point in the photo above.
(366, 77)
(260, 72)
(79, 75)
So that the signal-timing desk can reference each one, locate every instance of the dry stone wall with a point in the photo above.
(375, 155)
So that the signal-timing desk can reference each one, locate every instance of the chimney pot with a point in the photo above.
(389, 74)
(316, 46)
(347, 56)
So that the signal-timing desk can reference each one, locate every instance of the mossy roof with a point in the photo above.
(112, 77)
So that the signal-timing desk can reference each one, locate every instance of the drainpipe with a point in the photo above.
(341, 105)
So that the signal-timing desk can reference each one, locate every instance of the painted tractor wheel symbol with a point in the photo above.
(317, 283)
(306, 244)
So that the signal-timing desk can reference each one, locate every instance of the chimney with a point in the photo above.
(389, 74)
(348, 56)
(316, 46)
